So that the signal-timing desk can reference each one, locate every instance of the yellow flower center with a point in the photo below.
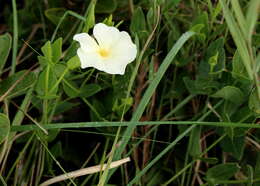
(103, 52)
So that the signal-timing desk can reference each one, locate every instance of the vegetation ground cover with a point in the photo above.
(185, 112)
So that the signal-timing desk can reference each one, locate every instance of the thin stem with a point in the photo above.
(60, 79)
(15, 37)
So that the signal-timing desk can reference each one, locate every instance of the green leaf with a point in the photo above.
(209, 160)
(73, 62)
(216, 12)
(71, 51)
(138, 23)
(238, 68)
(54, 14)
(59, 69)
(25, 81)
(89, 90)
(195, 147)
(216, 48)
(109, 21)
(5, 43)
(204, 20)
(235, 146)
(123, 104)
(90, 17)
(47, 51)
(198, 30)
(43, 61)
(204, 86)
(71, 88)
(100, 110)
(253, 102)
(230, 93)
(56, 48)
(238, 38)
(213, 61)
(221, 172)
(106, 6)
(64, 106)
(251, 16)
(240, 18)
(150, 17)
(46, 80)
(4, 127)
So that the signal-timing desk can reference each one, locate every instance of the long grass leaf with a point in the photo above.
(150, 90)
(15, 37)
(238, 38)
(127, 124)
(252, 16)
(240, 17)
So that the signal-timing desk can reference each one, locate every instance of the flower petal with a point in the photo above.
(114, 67)
(87, 43)
(124, 50)
(92, 59)
(87, 59)
(106, 36)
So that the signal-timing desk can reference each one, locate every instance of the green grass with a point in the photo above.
(186, 111)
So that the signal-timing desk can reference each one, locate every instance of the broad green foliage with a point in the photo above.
(71, 88)
(17, 84)
(90, 17)
(5, 43)
(254, 103)
(235, 146)
(4, 127)
(73, 62)
(221, 172)
(230, 93)
(138, 24)
(238, 69)
(56, 49)
(89, 90)
(52, 52)
(46, 80)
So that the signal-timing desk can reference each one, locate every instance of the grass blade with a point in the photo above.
(150, 90)
(251, 17)
(169, 147)
(129, 124)
(15, 37)
(240, 17)
(238, 39)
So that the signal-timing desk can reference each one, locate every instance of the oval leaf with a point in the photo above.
(89, 90)
(230, 93)
(254, 103)
(221, 172)
(46, 81)
(5, 43)
(4, 127)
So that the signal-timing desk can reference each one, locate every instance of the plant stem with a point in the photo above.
(15, 37)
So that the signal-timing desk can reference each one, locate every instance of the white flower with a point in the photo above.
(110, 51)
